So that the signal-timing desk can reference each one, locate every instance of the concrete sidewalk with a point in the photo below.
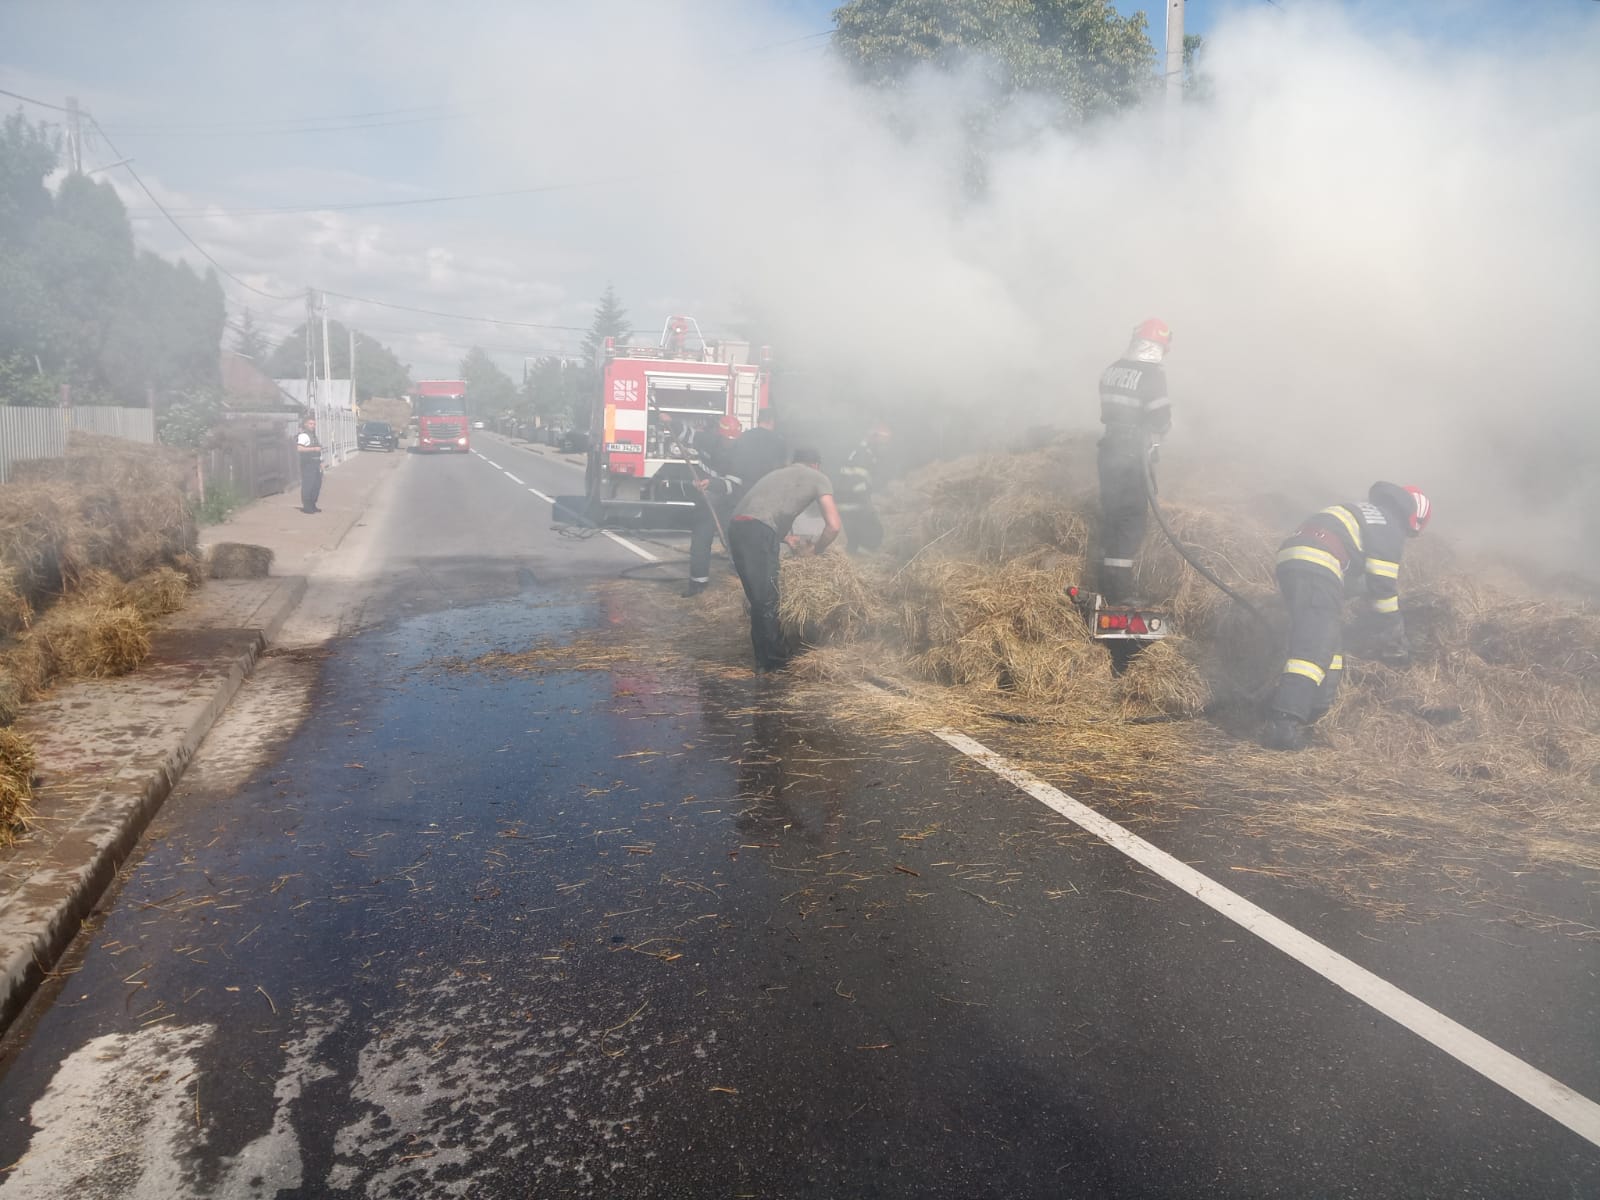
(299, 539)
(111, 750)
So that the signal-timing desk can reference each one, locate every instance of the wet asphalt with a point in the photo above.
(637, 932)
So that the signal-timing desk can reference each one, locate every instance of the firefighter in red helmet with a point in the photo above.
(1136, 414)
(1330, 550)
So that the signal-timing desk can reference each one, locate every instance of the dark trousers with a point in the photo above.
(704, 530)
(754, 547)
(1123, 506)
(310, 485)
(1311, 673)
(862, 528)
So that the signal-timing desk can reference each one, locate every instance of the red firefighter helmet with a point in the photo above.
(1408, 504)
(1153, 329)
(1417, 521)
(729, 426)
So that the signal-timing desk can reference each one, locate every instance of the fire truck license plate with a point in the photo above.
(623, 448)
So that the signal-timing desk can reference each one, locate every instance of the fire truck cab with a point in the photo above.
(639, 470)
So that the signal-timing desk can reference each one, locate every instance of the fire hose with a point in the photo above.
(1185, 552)
(694, 471)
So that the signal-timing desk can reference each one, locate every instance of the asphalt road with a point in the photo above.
(415, 925)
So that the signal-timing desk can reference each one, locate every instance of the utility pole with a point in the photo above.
(311, 370)
(1174, 78)
(351, 331)
(74, 135)
(330, 421)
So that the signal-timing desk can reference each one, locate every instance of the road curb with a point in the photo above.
(41, 916)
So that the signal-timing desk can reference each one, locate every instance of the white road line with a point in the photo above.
(1550, 1096)
(621, 541)
(491, 462)
(627, 545)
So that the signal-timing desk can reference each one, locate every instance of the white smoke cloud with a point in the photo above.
(1377, 247)
(1370, 246)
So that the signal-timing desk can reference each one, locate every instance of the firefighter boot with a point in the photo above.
(696, 586)
(1283, 732)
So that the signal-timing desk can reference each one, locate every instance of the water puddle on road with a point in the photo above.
(490, 913)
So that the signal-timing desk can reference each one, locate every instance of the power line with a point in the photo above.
(30, 100)
(449, 316)
(233, 133)
(203, 252)
(213, 214)
(186, 126)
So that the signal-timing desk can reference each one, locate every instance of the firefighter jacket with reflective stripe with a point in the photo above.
(1354, 542)
(854, 486)
(713, 458)
(1133, 399)
(755, 453)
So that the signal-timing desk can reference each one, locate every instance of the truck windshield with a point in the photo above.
(442, 406)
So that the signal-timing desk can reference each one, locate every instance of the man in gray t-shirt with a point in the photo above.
(760, 522)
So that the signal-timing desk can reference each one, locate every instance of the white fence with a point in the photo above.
(42, 432)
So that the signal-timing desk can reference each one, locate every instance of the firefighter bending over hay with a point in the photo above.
(1336, 546)
(1136, 414)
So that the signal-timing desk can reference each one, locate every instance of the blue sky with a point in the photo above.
(228, 105)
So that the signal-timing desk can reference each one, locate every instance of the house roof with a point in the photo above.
(333, 393)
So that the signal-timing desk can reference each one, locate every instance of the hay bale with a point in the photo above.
(27, 668)
(1502, 698)
(15, 611)
(824, 597)
(109, 505)
(236, 560)
(162, 591)
(1009, 627)
(95, 640)
(35, 540)
(16, 784)
(1162, 681)
(192, 567)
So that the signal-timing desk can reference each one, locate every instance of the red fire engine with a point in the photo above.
(441, 408)
(650, 397)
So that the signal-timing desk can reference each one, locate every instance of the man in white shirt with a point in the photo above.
(309, 450)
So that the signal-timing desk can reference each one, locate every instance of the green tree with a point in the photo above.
(559, 390)
(28, 153)
(249, 341)
(1197, 85)
(378, 371)
(166, 337)
(23, 382)
(1082, 56)
(78, 304)
(610, 320)
(489, 389)
(189, 419)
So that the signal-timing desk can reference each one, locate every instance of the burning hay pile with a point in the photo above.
(93, 547)
(1502, 697)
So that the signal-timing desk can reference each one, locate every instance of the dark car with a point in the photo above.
(377, 435)
(574, 441)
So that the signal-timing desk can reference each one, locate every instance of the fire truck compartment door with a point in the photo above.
(688, 393)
